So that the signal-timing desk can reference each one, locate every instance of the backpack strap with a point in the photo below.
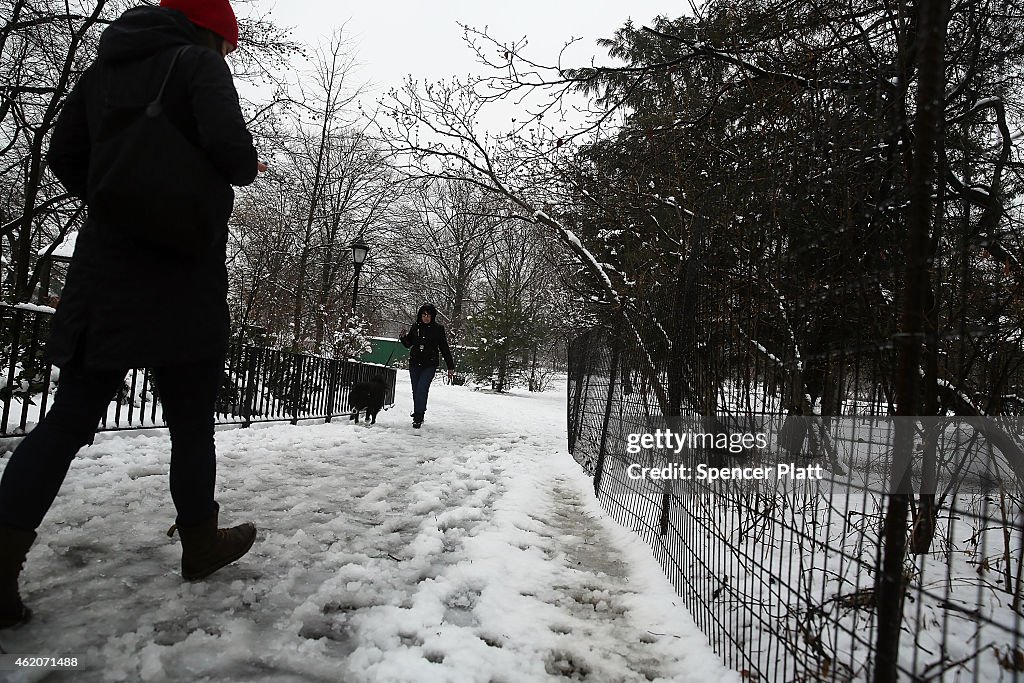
(154, 108)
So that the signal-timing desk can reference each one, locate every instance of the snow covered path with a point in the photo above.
(471, 550)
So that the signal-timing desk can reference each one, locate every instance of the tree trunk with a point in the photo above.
(929, 111)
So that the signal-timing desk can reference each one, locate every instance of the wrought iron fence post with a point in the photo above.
(248, 384)
(296, 388)
(30, 366)
(16, 325)
(332, 388)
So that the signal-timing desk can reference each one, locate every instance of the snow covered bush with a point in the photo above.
(352, 337)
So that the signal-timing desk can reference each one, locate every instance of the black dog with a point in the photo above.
(368, 396)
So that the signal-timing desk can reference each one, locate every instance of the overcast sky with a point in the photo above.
(422, 37)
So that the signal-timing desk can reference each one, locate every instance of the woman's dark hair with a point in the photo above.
(208, 38)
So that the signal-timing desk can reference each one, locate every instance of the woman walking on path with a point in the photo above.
(424, 340)
(129, 303)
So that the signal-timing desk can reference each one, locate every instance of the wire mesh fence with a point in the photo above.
(766, 506)
(259, 385)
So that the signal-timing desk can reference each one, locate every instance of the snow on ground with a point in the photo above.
(471, 550)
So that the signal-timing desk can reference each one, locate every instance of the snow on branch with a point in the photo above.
(433, 133)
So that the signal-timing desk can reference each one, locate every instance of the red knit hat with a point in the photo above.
(215, 15)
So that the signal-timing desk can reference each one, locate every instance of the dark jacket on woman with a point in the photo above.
(126, 303)
(425, 341)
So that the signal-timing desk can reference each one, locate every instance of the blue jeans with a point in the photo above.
(421, 379)
(38, 466)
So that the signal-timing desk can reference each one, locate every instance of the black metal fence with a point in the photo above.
(782, 573)
(260, 385)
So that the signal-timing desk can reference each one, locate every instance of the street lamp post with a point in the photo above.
(359, 251)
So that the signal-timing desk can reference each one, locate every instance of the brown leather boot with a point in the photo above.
(14, 545)
(205, 548)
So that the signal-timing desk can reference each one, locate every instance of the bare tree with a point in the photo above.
(449, 240)
(44, 48)
(328, 184)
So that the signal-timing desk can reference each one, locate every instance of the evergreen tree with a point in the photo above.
(505, 336)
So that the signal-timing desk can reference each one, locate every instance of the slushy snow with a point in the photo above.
(471, 550)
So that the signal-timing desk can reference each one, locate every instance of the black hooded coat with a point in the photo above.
(425, 341)
(127, 304)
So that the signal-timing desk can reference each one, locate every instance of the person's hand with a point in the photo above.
(262, 166)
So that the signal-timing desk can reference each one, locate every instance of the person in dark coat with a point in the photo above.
(126, 304)
(425, 339)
